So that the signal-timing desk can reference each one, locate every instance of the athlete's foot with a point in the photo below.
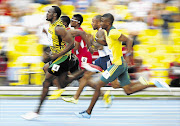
(107, 98)
(143, 81)
(161, 84)
(70, 99)
(30, 116)
(56, 94)
(83, 114)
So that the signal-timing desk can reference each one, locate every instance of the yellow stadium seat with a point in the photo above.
(174, 25)
(175, 34)
(172, 9)
(161, 73)
(158, 22)
(124, 31)
(123, 11)
(150, 37)
(22, 47)
(67, 9)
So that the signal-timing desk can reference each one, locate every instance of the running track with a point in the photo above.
(147, 112)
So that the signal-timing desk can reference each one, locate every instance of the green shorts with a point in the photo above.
(117, 71)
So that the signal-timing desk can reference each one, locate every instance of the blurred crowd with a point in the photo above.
(26, 18)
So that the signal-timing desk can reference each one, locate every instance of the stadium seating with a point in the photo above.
(26, 54)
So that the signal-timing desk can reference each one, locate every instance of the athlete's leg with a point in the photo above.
(96, 95)
(46, 84)
(130, 87)
(82, 83)
(135, 88)
(115, 84)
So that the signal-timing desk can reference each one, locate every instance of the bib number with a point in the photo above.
(84, 59)
(106, 74)
(55, 67)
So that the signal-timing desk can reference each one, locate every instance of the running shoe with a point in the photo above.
(161, 84)
(70, 99)
(107, 98)
(56, 94)
(30, 116)
(143, 81)
(83, 114)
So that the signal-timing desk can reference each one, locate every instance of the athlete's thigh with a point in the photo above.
(115, 83)
(61, 80)
(112, 73)
(124, 77)
(49, 77)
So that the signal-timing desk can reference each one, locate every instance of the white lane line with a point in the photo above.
(139, 106)
(99, 115)
(98, 112)
(118, 102)
(168, 119)
(176, 109)
(110, 123)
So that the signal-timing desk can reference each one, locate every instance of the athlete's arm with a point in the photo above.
(128, 41)
(84, 36)
(60, 31)
(129, 47)
(44, 31)
(96, 44)
(76, 47)
(100, 37)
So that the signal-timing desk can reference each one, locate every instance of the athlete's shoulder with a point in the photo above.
(114, 31)
(100, 32)
(80, 29)
(60, 30)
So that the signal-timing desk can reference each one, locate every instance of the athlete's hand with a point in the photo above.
(91, 50)
(128, 58)
(46, 57)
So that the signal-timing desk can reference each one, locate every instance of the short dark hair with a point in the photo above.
(57, 10)
(65, 19)
(79, 18)
(110, 16)
(98, 17)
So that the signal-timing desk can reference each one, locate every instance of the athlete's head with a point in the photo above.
(76, 20)
(107, 20)
(96, 21)
(65, 20)
(53, 13)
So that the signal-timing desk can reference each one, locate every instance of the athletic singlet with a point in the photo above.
(57, 45)
(114, 45)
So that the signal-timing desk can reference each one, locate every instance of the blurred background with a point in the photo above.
(154, 26)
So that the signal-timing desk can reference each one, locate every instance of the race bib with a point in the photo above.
(55, 67)
(84, 59)
(106, 74)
